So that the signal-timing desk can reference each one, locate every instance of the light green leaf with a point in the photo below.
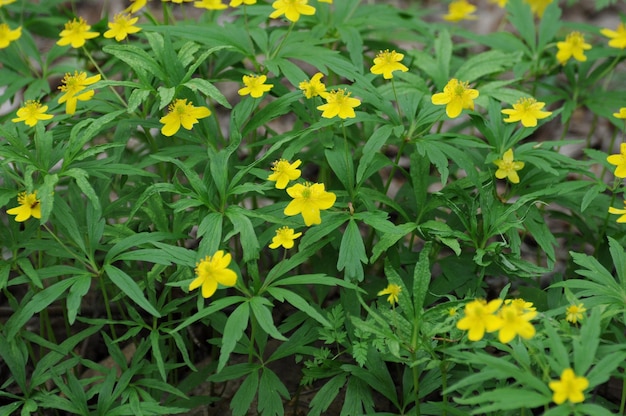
(129, 287)
(236, 323)
(352, 253)
(208, 89)
(264, 317)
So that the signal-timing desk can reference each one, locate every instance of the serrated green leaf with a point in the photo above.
(242, 400)
(36, 304)
(208, 89)
(236, 323)
(272, 394)
(263, 315)
(352, 253)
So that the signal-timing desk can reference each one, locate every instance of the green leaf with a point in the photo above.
(272, 394)
(136, 98)
(156, 353)
(210, 231)
(242, 400)
(619, 261)
(325, 396)
(586, 346)
(36, 304)
(486, 63)
(129, 287)
(15, 355)
(389, 239)
(264, 317)
(236, 323)
(521, 17)
(82, 180)
(404, 297)
(208, 89)
(166, 95)
(421, 278)
(215, 306)
(352, 253)
(341, 163)
(507, 398)
(298, 302)
(371, 148)
(137, 59)
(443, 53)
(25, 265)
(75, 296)
(243, 226)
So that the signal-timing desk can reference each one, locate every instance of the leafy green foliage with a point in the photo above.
(361, 309)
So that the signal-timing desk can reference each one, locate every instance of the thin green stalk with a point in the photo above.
(107, 306)
(395, 96)
(282, 41)
(348, 162)
(104, 77)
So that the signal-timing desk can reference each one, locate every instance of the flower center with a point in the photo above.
(527, 103)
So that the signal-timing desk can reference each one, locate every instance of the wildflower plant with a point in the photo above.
(311, 207)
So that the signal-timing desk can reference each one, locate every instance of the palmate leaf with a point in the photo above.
(271, 394)
(326, 395)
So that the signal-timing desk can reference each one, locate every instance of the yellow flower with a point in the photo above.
(210, 5)
(621, 114)
(284, 172)
(237, 3)
(569, 387)
(29, 206)
(538, 6)
(386, 62)
(31, 112)
(7, 35)
(213, 270)
(72, 86)
(619, 160)
(183, 114)
(573, 46)
(285, 237)
(480, 317)
(515, 321)
(6, 2)
(326, 1)
(527, 110)
(255, 86)
(574, 313)
(618, 37)
(339, 103)
(292, 9)
(136, 6)
(456, 96)
(521, 305)
(500, 3)
(507, 167)
(308, 200)
(314, 87)
(460, 10)
(121, 27)
(618, 211)
(76, 33)
(393, 291)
